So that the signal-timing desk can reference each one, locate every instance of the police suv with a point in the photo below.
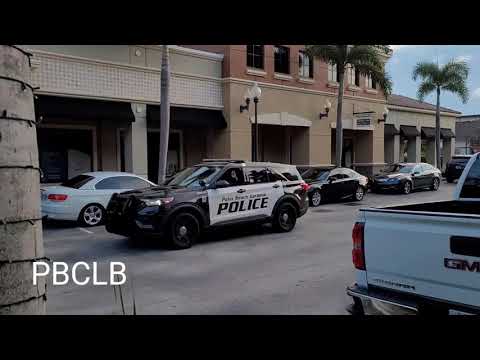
(214, 193)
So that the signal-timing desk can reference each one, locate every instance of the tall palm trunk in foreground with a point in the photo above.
(20, 217)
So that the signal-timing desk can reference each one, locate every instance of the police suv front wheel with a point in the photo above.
(184, 231)
(285, 218)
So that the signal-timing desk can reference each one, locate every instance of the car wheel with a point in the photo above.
(315, 198)
(450, 180)
(183, 231)
(435, 184)
(407, 188)
(285, 218)
(359, 193)
(92, 215)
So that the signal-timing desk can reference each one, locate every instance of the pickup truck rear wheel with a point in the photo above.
(407, 187)
(285, 218)
(184, 231)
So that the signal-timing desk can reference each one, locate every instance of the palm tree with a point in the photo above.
(164, 114)
(21, 242)
(367, 61)
(450, 77)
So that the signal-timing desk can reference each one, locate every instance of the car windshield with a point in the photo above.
(77, 182)
(399, 168)
(191, 176)
(316, 174)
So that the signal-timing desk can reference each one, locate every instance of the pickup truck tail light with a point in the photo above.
(57, 197)
(358, 254)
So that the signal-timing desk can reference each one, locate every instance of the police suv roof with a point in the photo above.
(226, 162)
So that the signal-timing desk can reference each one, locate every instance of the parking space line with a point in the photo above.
(85, 230)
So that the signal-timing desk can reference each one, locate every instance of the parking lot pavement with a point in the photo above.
(242, 271)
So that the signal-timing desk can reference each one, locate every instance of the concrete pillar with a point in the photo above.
(448, 150)
(136, 142)
(430, 152)
(396, 148)
(414, 149)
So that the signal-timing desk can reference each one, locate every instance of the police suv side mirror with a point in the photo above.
(222, 184)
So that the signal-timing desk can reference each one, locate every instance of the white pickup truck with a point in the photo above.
(420, 258)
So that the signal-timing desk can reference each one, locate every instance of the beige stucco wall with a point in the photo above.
(315, 142)
(412, 118)
(148, 56)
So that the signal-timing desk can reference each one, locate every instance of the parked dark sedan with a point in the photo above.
(331, 183)
(455, 167)
(405, 177)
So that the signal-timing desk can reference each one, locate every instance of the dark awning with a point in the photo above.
(390, 130)
(428, 132)
(181, 118)
(50, 107)
(409, 131)
(447, 133)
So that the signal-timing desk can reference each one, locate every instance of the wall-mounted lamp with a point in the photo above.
(246, 97)
(328, 105)
(385, 114)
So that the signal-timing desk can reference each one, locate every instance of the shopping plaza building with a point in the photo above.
(99, 109)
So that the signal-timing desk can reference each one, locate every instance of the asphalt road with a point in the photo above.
(244, 271)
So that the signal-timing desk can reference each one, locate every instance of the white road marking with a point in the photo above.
(85, 230)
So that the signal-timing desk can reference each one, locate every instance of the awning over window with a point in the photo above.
(181, 118)
(51, 107)
(409, 131)
(447, 133)
(390, 130)
(428, 132)
(281, 119)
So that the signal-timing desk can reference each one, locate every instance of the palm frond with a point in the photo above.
(425, 88)
(365, 54)
(426, 70)
(379, 75)
(327, 53)
(457, 69)
(458, 88)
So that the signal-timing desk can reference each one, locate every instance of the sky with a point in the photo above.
(405, 57)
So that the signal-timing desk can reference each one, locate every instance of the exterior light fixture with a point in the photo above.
(385, 114)
(328, 105)
(246, 97)
(254, 93)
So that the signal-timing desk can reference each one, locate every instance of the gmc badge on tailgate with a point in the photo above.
(459, 264)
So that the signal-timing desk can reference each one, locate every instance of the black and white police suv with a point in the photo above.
(211, 194)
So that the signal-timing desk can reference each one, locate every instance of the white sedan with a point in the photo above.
(85, 197)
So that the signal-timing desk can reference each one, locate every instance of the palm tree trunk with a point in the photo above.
(339, 127)
(21, 240)
(164, 115)
(437, 131)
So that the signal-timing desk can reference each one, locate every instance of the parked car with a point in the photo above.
(421, 258)
(405, 177)
(455, 167)
(84, 198)
(212, 194)
(329, 183)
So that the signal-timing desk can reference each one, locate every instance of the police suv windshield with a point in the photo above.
(191, 176)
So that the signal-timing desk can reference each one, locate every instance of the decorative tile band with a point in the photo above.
(80, 77)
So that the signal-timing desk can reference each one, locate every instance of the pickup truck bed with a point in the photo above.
(422, 256)
(445, 208)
